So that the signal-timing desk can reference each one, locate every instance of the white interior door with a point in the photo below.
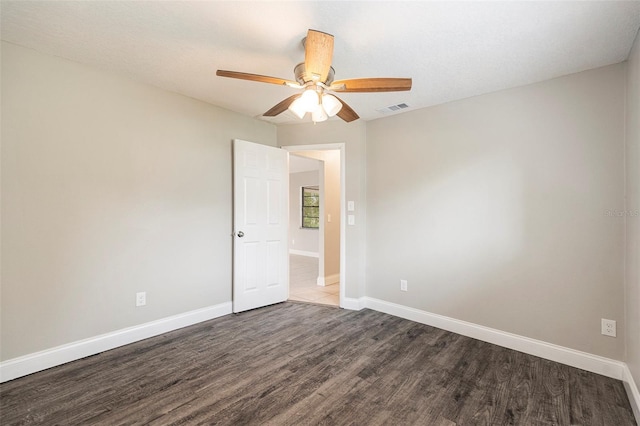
(260, 220)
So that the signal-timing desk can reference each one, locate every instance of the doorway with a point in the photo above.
(316, 243)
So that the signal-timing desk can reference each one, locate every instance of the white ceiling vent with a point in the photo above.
(392, 108)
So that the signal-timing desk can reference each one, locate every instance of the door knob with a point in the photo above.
(240, 234)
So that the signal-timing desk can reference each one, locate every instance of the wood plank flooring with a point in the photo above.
(303, 364)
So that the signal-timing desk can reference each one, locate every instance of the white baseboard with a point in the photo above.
(586, 361)
(328, 280)
(304, 253)
(352, 303)
(38, 361)
(632, 392)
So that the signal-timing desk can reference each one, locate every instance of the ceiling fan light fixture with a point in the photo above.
(309, 100)
(319, 114)
(331, 104)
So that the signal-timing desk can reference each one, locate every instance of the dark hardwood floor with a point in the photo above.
(302, 364)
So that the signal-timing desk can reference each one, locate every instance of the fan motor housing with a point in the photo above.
(303, 77)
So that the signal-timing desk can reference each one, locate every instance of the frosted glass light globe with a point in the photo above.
(319, 114)
(298, 108)
(331, 104)
(310, 100)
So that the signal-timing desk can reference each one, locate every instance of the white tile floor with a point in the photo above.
(303, 287)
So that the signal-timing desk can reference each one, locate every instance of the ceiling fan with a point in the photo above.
(315, 77)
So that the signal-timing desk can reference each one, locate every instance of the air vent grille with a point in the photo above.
(393, 108)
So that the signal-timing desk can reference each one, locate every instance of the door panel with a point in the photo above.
(260, 247)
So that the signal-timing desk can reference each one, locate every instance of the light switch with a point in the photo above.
(351, 206)
(351, 219)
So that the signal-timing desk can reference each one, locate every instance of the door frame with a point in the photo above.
(343, 204)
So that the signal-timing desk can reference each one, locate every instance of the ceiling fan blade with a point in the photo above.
(346, 112)
(318, 53)
(372, 85)
(282, 106)
(256, 77)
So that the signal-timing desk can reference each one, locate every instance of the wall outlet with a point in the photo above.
(608, 327)
(403, 285)
(141, 298)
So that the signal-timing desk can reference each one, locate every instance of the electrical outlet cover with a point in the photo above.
(141, 298)
(608, 327)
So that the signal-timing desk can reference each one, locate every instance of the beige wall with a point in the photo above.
(300, 238)
(494, 209)
(632, 296)
(109, 187)
(353, 135)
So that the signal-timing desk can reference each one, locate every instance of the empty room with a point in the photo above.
(320, 213)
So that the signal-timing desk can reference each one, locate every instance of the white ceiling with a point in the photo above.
(452, 50)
